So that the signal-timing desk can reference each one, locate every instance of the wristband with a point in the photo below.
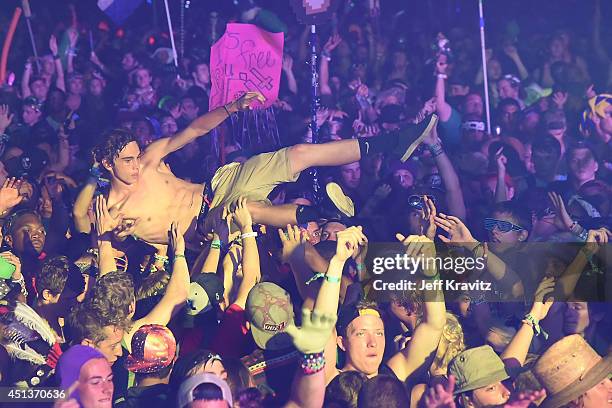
(360, 267)
(326, 55)
(177, 256)
(227, 111)
(442, 76)
(160, 258)
(95, 172)
(312, 363)
(248, 235)
(535, 324)
(320, 275)
(436, 149)
(216, 244)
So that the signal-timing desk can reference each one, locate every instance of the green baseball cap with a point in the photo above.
(270, 311)
(476, 368)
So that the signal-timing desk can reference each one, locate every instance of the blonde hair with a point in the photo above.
(452, 335)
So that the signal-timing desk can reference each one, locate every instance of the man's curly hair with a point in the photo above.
(111, 298)
(113, 142)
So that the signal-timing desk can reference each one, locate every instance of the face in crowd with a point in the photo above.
(364, 344)
(96, 384)
(126, 166)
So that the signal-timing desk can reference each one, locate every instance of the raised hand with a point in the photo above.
(562, 218)
(105, 222)
(348, 242)
(417, 245)
(382, 191)
(73, 36)
(559, 99)
(5, 117)
(596, 239)
(241, 214)
(458, 232)
(315, 331)
(511, 51)
(9, 194)
(524, 399)
(429, 214)
(15, 261)
(292, 239)
(53, 45)
(542, 302)
(501, 160)
(177, 240)
(287, 62)
(332, 43)
(441, 396)
(246, 101)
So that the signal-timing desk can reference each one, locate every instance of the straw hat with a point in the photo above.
(568, 369)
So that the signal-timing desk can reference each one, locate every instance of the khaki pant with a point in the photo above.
(254, 179)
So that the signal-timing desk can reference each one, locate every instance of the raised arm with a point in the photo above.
(288, 70)
(596, 239)
(59, 69)
(80, 209)
(513, 54)
(501, 194)
(443, 109)
(25, 79)
(424, 343)
(516, 351)
(294, 248)
(454, 194)
(251, 273)
(176, 292)
(159, 149)
(315, 335)
(329, 46)
(105, 223)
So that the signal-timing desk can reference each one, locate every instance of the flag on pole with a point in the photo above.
(119, 10)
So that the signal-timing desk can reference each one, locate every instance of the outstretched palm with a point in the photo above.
(458, 233)
(314, 333)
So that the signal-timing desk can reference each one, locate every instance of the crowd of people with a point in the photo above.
(156, 253)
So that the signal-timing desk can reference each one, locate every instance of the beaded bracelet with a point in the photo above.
(320, 275)
(436, 149)
(312, 363)
(535, 324)
(161, 258)
(177, 256)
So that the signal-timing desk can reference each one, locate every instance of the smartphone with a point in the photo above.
(6, 269)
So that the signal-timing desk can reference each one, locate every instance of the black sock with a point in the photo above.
(306, 213)
(384, 143)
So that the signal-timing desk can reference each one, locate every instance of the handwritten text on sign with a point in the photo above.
(246, 58)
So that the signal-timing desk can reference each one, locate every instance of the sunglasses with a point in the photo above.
(504, 226)
(418, 201)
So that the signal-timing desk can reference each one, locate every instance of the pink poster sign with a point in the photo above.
(246, 58)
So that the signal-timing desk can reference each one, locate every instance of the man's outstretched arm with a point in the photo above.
(159, 149)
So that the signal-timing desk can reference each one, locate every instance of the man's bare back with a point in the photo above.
(156, 200)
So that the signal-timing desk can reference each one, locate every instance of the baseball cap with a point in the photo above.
(476, 368)
(205, 292)
(153, 348)
(33, 102)
(411, 165)
(185, 393)
(350, 312)
(30, 163)
(270, 311)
